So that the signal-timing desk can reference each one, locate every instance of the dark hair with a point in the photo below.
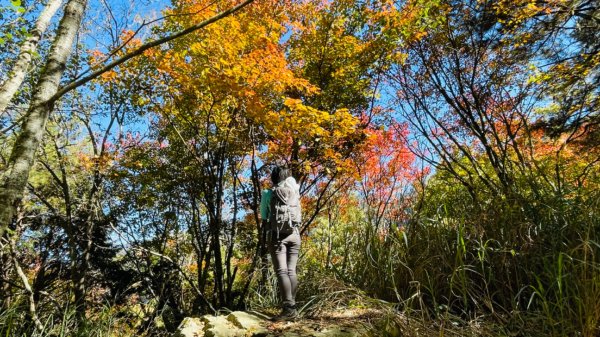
(279, 174)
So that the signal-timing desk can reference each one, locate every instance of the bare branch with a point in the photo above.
(145, 47)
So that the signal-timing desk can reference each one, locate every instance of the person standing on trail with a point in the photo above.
(284, 217)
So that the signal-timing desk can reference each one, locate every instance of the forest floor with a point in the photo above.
(346, 322)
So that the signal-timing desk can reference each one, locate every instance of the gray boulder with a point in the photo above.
(244, 324)
(190, 327)
(252, 324)
(220, 326)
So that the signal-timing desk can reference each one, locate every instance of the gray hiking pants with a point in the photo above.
(284, 253)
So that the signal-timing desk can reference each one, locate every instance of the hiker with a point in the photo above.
(284, 217)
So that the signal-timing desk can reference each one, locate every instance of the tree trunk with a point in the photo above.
(19, 69)
(79, 276)
(219, 275)
(5, 287)
(23, 153)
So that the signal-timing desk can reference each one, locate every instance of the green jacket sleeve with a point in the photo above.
(265, 204)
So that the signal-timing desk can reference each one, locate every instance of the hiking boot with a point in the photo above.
(287, 314)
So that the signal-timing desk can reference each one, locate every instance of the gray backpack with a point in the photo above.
(286, 214)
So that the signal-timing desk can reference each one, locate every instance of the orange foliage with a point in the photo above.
(386, 164)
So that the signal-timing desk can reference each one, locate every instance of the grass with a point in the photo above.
(509, 268)
(62, 323)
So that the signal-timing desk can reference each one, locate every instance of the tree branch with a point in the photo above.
(145, 47)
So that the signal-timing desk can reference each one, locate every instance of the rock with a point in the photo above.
(252, 324)
(244, 324)
(219, 326)
(190, 327)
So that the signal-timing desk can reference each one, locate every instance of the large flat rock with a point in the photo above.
(190, 327)
(252, 324)
(244, 324)
(220, 326)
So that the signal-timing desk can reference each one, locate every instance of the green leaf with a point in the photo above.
(21, 10)
(16, 3)
(2, 41)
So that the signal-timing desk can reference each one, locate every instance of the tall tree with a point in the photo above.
(567, 77)
(46, 93)
(9, 87)
(15, 178)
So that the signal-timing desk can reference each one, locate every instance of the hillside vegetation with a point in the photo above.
(447, 154)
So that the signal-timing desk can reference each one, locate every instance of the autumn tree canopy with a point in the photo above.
(446, 151)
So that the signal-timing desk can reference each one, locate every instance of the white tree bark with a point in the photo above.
(19, 69)
(21, 159)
